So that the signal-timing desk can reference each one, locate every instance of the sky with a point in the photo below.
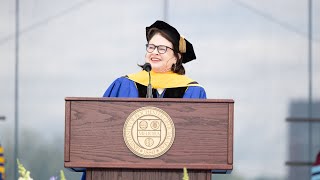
(255, 52)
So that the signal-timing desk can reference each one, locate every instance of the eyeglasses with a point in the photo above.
(161, 48)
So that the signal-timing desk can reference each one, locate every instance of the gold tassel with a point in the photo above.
(182, 45)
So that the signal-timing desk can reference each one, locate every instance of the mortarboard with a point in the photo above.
(185, 47)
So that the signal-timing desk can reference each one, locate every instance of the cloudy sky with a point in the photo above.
(254, 52)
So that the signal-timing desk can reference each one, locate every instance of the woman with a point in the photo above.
(166, 52)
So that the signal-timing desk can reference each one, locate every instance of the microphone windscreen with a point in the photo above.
(147, 67)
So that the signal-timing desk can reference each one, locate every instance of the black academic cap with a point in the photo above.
(185, 47)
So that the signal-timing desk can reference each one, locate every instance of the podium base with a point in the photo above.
(145, 174)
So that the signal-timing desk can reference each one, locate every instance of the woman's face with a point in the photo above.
(160, 62)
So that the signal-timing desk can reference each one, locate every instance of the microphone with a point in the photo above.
(147, 67)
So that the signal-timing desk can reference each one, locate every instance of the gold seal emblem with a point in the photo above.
(149, 132)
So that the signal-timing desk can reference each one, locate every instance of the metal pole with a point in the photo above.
(310, 78)
(16, 94)
(165, 11)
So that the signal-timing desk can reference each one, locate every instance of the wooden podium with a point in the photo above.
(94, 138)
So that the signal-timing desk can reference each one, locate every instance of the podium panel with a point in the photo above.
(94, 138)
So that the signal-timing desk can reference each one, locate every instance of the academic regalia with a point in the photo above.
(173, 85)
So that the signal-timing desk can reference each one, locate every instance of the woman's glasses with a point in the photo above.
(161, 48)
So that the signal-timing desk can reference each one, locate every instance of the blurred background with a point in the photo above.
(263, 54)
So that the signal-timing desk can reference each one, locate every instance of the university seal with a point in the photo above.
(149, 132)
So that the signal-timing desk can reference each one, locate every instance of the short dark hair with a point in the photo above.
(178, 67)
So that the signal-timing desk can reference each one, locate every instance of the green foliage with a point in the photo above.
(24, 174)
(42, 156)
(185, 174)
(62, 177)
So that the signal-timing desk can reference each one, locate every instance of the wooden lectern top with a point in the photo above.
(203, 133)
